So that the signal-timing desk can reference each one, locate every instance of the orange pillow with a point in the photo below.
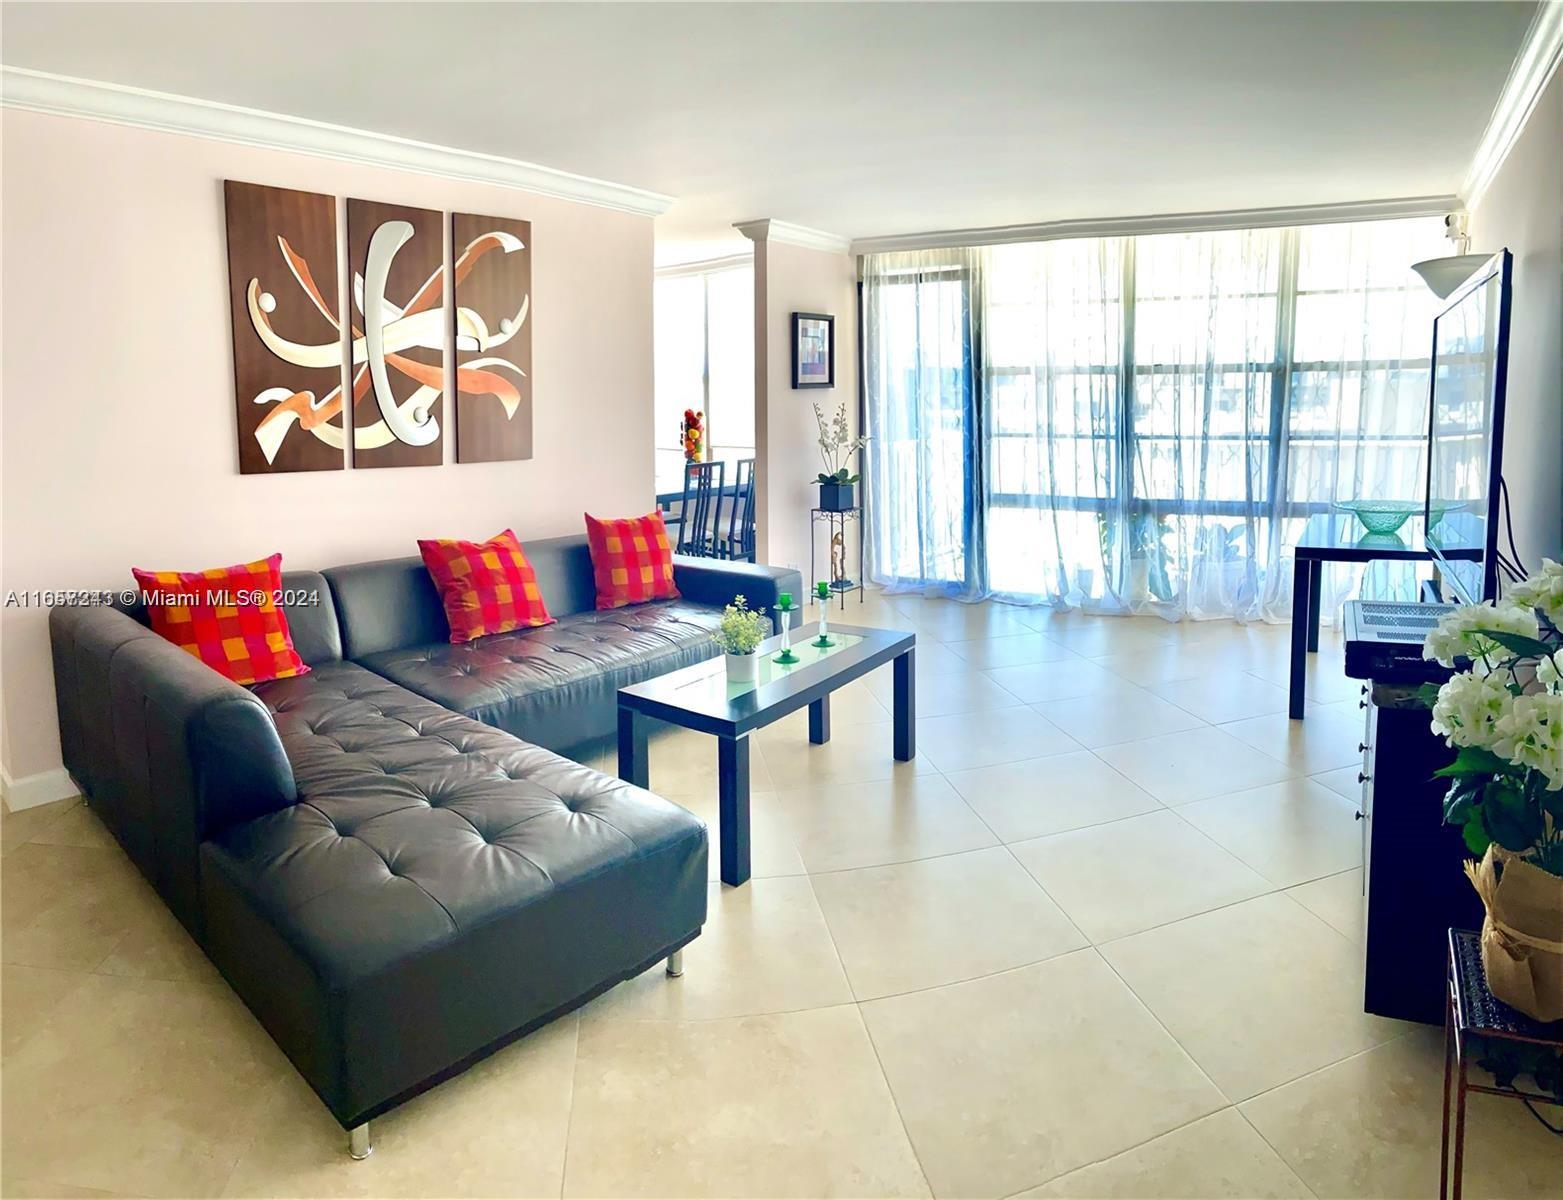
(632, 560)
(486, 587)
(227, 617)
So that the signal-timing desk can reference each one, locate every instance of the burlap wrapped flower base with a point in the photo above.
(1522, 936)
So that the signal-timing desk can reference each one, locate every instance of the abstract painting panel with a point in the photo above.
(493, 337)
(396, 267)
(287, 342)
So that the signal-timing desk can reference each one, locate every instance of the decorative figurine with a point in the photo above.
(784, 612)
(838, 559)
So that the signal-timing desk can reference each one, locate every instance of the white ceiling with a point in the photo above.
(859, 119)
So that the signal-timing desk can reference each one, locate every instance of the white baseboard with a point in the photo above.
(32, 790)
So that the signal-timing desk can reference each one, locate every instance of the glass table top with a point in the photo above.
(704, 689)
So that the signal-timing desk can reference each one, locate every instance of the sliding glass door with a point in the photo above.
(1139, 424)
(924, 525)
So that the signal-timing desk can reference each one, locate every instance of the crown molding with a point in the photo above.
(63, 95)
(787, 234)
(1533, 67)
(706, 266)
(1239, 218)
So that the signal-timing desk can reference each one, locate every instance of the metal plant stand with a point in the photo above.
(835, 522)
(1474, 1012)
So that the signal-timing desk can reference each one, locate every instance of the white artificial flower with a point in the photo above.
(1530, 734)
(1469, 708)
(1543, 590)
(1458, 633)
(1547, 673)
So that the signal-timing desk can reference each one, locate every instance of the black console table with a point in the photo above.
(1340, 537)
(1414, 875)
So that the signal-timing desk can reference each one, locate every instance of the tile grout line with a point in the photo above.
(569, 1116)
(857, 1007)
(1275, 1150)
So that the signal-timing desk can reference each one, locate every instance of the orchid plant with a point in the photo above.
(836, 445)
(1503, 713)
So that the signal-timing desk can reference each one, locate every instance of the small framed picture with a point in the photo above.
(813, 350)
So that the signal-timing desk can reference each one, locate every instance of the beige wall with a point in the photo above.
(789, 279)
(118, 418)
(1523, 210)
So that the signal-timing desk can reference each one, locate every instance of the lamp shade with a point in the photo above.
(1444, 275)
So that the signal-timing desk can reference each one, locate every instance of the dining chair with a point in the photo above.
(739, 542)
(697, 533)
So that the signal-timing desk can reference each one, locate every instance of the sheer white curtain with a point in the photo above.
(1142, 424)
(1054, 383)
(924, 519)
(1357, 405)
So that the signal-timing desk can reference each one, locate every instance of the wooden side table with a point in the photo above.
(1473, 1010)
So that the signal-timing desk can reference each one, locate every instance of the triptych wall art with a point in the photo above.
(290, 348)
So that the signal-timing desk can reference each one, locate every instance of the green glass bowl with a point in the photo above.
(1386, 516)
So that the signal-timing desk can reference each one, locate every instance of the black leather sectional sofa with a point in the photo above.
(385, 857)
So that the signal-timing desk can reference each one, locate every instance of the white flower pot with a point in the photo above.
(1139, 580)
(743, 668)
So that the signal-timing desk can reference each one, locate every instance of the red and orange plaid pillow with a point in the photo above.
(632, 560)
(486, 587)
(227, 617)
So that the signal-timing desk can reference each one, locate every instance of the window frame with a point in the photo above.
(1283, 368)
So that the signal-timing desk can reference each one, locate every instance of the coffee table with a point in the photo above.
(701, 697)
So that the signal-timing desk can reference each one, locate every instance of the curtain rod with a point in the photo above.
(1201, 222)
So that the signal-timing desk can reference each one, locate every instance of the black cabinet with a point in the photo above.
(1415, 876)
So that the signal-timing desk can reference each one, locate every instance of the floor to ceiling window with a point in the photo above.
(704, 341)
(1141, 423)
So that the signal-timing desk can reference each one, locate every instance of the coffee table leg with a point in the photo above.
(819, 721)
(632, 749)
(732, 761)
(1301, 608)
(905, 707)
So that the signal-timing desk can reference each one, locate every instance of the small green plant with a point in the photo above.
(742, 629)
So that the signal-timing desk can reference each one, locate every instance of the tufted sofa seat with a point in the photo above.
(435, 874)
(546, 681)
(556, 686)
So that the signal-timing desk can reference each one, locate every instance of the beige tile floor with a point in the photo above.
(1101, 939)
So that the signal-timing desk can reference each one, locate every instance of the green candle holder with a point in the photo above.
(784, 608)
(822, 590)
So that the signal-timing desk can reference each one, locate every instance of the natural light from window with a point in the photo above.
(704, 330)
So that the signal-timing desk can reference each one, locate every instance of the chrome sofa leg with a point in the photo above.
(358, 1144)
(676, 964)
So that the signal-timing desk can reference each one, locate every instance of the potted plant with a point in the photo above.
(1503, 713)
(1222, 568)
(836, 446)
(740, 633)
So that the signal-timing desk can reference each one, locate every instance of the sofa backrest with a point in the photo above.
(393, 604)
(312, 617)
